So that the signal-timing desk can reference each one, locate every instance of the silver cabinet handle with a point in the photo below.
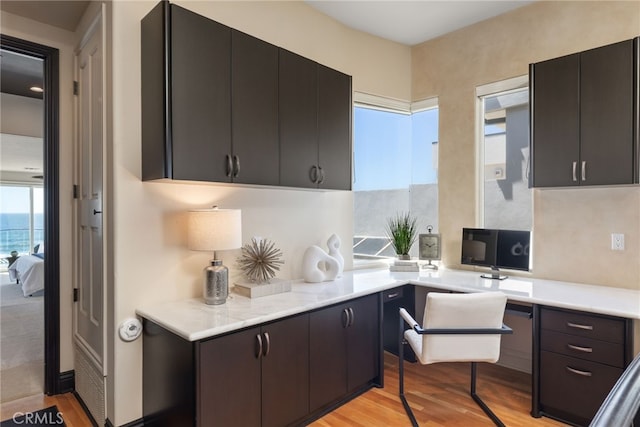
(584, 170)
(236, 166)
(229, 165)
(581, 349)
(313, 174)
(579, 372)
(575, 178)
(321, 180)
(259, 352)
(352, 316)
(393, 295)
(347, 318)
(268, 342)
(579, 326)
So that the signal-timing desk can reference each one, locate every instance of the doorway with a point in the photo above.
(53, 381)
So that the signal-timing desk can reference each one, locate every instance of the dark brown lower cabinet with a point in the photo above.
(581, 356)
(257, 377)
(345, 350)
(283, 373)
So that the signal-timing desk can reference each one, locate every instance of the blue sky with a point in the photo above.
(393, 150)
(16, 199)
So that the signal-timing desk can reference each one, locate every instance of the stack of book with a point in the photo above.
(404, 265)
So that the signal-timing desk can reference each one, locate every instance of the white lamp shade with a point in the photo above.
(215, 229)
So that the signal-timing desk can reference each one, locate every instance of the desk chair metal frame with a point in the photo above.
(456, 328)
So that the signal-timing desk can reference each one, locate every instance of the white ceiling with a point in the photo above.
(61, 14)
(407, 22)
(412, 22)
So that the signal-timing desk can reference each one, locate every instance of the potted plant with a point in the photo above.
(402, 232)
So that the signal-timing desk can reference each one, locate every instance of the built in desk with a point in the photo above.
(582, 334)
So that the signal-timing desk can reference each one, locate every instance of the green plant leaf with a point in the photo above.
(402, 231)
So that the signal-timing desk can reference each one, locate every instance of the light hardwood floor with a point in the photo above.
(438, 394)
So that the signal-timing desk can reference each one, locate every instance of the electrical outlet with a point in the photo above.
(617, 242)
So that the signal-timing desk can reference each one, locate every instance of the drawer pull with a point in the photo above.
(579, 326)
(578, 348)
(393, 295)
(579, 372)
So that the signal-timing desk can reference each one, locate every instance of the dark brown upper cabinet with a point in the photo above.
(584, 118)
(186, 96)
(254, 110)
(219, 105)
(315, 124)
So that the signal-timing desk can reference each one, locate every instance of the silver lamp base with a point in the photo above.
(216, 283)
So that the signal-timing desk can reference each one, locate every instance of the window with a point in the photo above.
(395, 170)
(506, 201)
(21, 219)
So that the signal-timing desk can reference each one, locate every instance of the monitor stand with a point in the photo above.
(495, 274)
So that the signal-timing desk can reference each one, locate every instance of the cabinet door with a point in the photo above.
(555, 122)
(285, 371)
(254, 104)
(363, 337)
(334, 128)
(200, 96)
(328, 355)
(298, 120)
(606, 91)
(228, 380)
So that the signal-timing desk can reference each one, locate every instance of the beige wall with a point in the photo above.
(151, 262)
(572, 227)
(26, 29)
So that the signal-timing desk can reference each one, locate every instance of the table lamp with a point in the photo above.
(215, 230)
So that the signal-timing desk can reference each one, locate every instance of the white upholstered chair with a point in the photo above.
(456, 328)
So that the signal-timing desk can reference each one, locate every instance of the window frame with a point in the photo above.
(381, 103)
(503, 86)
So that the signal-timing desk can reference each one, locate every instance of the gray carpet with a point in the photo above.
(21, 343)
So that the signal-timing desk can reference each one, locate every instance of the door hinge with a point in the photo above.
(75, 87)
(75, 191)
(75, 294)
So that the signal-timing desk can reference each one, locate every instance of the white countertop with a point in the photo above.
(193, 320)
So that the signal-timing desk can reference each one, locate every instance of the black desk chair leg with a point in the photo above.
(479, 401)
(401, 345)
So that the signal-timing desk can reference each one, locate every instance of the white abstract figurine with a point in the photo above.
(334, 251)
(318, 266)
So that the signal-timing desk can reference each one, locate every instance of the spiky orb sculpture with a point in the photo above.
(260, 260)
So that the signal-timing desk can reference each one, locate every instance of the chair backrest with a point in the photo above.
(457, 311)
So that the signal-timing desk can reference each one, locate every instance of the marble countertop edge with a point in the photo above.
(193, 320)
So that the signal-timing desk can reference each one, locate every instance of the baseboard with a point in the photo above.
(66, 382)
(85, 409)
(136, 423)
(515, 359)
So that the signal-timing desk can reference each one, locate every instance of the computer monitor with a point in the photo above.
(507, 249)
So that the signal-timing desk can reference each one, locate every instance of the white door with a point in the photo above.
(89, 309)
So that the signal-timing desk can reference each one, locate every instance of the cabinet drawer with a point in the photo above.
(573, 388)
(584, 325)
(583, 348)
(392, 294)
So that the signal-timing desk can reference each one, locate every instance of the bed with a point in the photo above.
(28, 270)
